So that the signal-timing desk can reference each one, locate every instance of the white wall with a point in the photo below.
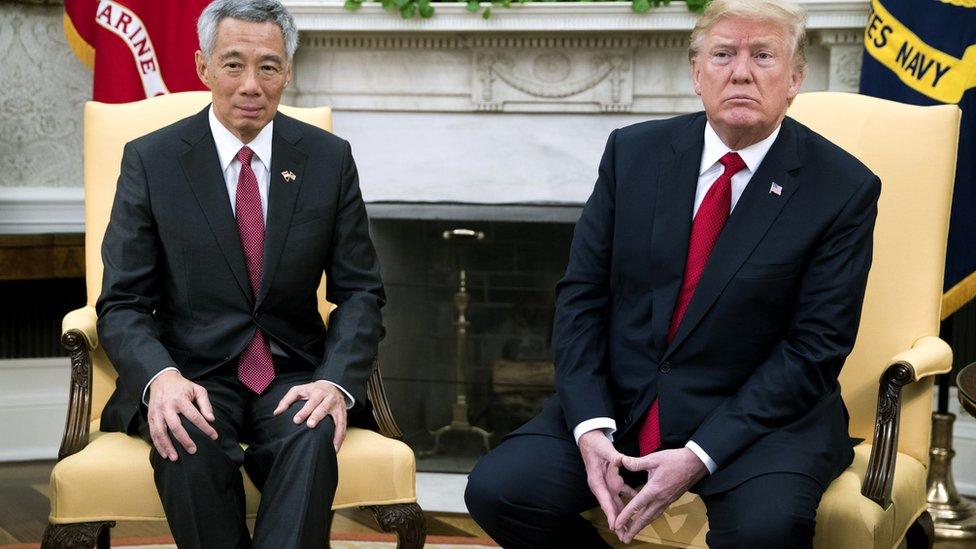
(33, 404)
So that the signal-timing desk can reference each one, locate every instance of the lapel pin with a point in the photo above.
(776, 189)
(289, 176)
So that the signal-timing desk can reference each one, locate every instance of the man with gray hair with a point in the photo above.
(222, 226)
(713, 293)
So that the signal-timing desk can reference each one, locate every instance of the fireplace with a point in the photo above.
(510, 276)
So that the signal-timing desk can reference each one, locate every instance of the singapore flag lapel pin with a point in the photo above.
(289, 176)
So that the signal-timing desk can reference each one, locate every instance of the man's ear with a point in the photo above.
(796, 80)
(696, 75)
(201, 63)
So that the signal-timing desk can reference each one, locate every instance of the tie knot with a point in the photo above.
(245, 154)
(733, 163)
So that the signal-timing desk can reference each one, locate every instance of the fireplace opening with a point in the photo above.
(510, 269)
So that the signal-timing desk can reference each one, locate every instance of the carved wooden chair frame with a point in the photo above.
(406, 520)
(880, 475)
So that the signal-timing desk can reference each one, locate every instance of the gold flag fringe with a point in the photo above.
(83, 50)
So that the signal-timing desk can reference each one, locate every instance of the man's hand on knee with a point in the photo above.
(321, 399)
(670, 473)
(170, 396)
(602, 462)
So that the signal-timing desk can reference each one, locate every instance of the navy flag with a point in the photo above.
(923, 52)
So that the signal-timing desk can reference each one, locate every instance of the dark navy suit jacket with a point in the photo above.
(751, 375)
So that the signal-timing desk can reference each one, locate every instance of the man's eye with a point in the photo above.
(764, 55)
(232, 66)
(269, 68)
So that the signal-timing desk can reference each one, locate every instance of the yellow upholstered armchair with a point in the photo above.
(887, 381)
(101, 477)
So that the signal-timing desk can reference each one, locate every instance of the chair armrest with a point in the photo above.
(927, 357)
(82, 320)
(381, 406)
(79, 338)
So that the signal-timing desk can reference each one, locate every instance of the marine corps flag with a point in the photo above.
(137, 48)
(923, 52)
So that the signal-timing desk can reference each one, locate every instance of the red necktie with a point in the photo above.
(254, 366)
(707, 225)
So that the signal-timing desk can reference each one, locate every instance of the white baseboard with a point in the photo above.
(32, 407)
(42, 210)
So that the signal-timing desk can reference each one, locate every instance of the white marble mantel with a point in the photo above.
(516, 108)
(331, 16)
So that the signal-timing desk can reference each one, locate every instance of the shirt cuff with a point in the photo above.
(607, 424)
(709, 463)
(350, 401)
(145, 392)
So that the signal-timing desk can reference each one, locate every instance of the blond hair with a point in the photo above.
(787, 14)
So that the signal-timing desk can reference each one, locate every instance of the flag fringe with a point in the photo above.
(959, 295)
(83, 50)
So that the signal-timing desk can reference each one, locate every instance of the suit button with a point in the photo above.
(664, 368)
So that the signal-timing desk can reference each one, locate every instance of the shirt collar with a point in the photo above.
(752, 155)
(228, 145)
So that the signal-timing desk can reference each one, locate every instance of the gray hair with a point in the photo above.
(787, 14)
(253, 11)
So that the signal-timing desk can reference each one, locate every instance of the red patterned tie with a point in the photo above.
(254, 365)
(707, 225)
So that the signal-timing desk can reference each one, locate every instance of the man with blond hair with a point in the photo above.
(713, 293)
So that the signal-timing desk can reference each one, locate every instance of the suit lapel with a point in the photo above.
(672, 224)
(202, 169)
(282, 195)
(749, 223)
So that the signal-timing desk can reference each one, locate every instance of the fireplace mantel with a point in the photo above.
(455, 109)
(331, 16)
(516, 108)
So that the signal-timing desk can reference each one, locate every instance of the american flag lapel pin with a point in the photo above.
(289, 176)
(776, 188)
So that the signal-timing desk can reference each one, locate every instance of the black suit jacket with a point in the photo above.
(751, 375)
(175, 290)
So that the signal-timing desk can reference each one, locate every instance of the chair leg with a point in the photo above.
(921, 534)
(81, 535)
(405, 519)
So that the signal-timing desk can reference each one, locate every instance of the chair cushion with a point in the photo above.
(111, 479)
(845, 518)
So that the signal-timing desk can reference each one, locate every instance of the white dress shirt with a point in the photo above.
(228, 145)
(708, 172)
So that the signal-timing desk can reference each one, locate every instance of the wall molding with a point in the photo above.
(42, 210)
(330, 15)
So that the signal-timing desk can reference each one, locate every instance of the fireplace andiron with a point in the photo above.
(459, 417)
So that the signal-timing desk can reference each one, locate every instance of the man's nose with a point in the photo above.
(249, 85)
(742, 68)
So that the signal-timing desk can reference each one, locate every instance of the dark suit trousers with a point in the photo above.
(294, 467)
(530, 490)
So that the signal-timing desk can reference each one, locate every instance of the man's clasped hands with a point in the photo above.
(670, 473)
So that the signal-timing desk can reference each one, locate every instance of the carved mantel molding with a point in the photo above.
(329, 15)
